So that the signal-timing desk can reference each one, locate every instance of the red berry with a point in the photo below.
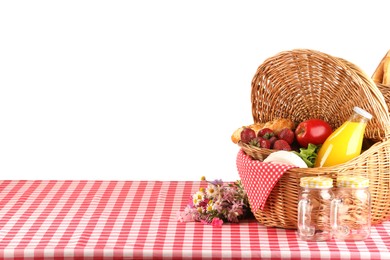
(265, 133)
(281, 145)
(287, 134)
(247, 135)
(265, 143)
(272, 140)
(255, 142)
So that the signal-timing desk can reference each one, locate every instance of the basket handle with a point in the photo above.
(381, 109)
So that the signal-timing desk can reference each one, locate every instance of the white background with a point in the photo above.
(152, 90)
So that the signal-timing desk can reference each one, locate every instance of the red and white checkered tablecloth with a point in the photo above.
(137, 219)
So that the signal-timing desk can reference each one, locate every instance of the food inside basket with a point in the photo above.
(313, 140)
(276, 126)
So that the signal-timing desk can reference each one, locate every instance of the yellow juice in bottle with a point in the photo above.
(345, 143)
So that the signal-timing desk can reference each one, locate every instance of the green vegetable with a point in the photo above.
(308, 154)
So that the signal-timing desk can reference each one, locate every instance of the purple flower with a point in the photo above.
(235, 211)
(217, 206)
(217, 182)
(228, 195)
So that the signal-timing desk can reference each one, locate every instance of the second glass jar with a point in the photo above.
(351, 209)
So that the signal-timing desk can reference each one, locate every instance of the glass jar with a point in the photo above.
(314, 208)
(351, 209)
(345, 143)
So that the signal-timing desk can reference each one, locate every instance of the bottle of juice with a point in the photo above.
(345, 143)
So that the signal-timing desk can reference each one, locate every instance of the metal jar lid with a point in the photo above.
(316, 182)
(352, 182)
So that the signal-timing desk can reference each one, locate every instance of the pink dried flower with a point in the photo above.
(216, 222)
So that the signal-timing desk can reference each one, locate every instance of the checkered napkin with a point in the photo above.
(259, 178)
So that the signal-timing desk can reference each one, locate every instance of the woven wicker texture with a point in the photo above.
(302, 84)
(385, 90)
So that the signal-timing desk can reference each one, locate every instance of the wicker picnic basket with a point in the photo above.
(301, 84)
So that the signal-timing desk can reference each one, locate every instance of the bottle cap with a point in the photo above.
(316, 182)
(362, 112)
(352, 182)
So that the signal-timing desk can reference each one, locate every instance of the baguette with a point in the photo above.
(236, 136)
(386, 72)
(377, 77)
(382, 72)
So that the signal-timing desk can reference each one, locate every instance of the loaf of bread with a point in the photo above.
(276, 125)
(382, 73)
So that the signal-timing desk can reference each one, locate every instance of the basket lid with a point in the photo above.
(302, 84)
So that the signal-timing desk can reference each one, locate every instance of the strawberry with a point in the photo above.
(255, 142)
(265, 143)
(287, 134)
(261, 142)
(281, 145)
(247, 135)
(265, 133)
(272, 140)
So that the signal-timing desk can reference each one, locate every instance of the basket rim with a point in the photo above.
(335, 169)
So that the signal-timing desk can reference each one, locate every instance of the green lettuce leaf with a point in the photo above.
(308, 154)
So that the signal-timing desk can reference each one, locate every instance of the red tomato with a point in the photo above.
(313, 131)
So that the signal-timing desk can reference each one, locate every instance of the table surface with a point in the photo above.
(137, 219)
